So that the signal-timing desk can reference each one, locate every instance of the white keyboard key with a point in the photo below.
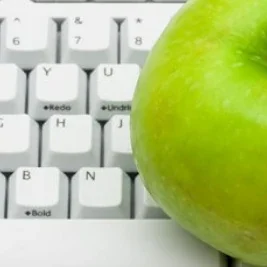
(12, 89)
(117, 143)
(38, 193)
(19, 139)
(138, 36)
(71, 142)
(89, 41)
(27, 41)
(102, 243)
(101, 193)
(111, 89)
(145, 206)
(2, 195)
(57, 89)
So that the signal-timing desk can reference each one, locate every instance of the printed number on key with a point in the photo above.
(27, 41)
(89, 45)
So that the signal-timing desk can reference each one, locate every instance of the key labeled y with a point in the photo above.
(47, 70)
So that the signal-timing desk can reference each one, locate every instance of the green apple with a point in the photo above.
(199, 124)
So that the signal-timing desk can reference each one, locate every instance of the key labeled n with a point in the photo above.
(90, 175)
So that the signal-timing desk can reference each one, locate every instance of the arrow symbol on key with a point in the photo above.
(17, 19)
(27, 213)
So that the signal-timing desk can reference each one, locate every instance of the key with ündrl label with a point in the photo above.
(111, 89)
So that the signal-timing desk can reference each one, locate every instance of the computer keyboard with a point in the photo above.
(70, 193)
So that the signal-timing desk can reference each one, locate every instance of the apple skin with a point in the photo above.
(199, 124)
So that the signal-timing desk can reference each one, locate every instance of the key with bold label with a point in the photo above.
(19, 139)
(28, 40)
(101, 193)
(57, 89)
(71, 142)
(38, 193)
(117, 144)
(89, 45)
(2, 195)
(145, 206)
(138, 36)
(12, 89)
(111, 89)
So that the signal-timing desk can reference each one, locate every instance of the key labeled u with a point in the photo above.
(108, 71)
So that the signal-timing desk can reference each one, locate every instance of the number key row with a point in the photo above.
(86, 41)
